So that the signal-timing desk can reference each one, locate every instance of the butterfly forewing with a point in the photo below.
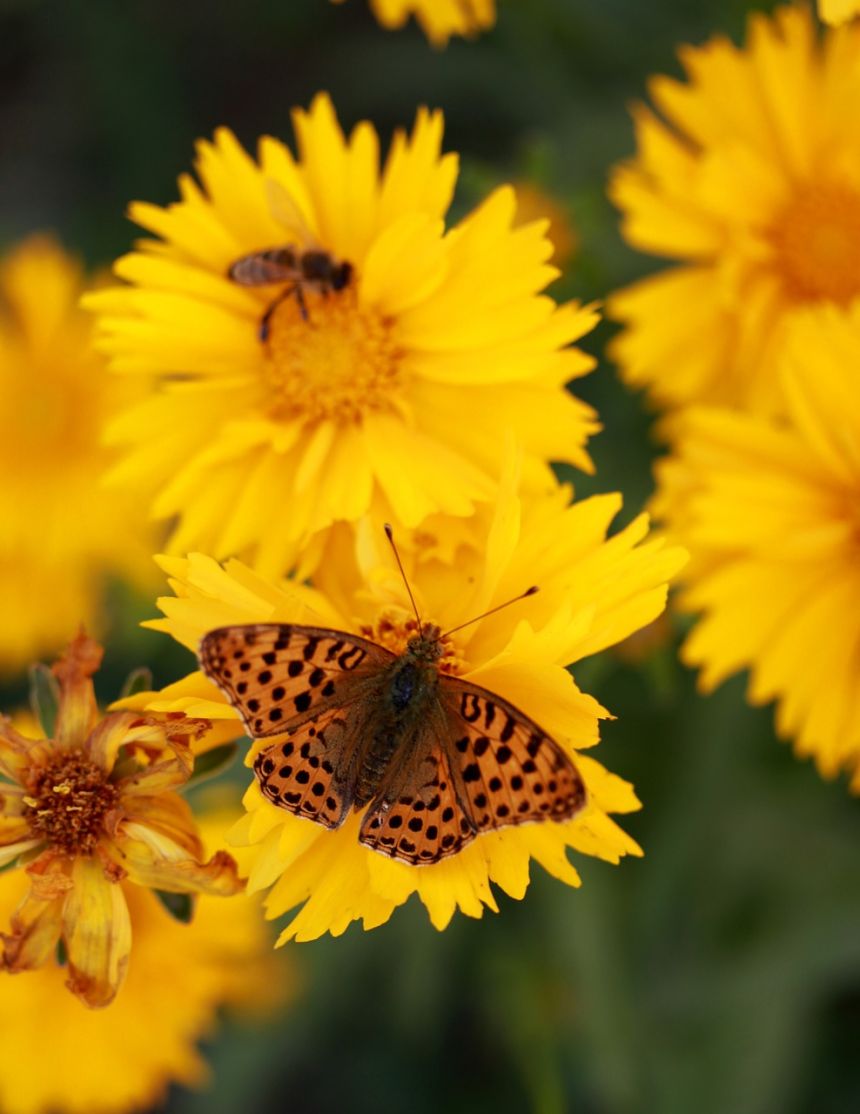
(512, 772)
(279, 675)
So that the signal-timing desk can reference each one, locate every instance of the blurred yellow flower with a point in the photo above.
(180, 977)
(395, 391)
(838, 11)
(79, 814)
(752, 181)
(439, 19)
(593, 593)
(536, 203)
(771, 515)
(62, 533)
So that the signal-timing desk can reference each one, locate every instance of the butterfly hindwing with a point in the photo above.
(512, 772)
(307, 771)
(278, 675)
(417, 816)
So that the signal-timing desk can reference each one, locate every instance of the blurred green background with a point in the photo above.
(719, 975)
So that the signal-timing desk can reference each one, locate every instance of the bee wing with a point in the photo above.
(285, 210)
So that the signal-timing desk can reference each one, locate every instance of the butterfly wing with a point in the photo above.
(511, 771)
(279, 676)
(418, 816)
(310, 772)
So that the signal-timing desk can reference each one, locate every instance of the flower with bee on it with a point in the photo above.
(352, 400)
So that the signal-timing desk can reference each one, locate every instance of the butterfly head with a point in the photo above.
(428, 645)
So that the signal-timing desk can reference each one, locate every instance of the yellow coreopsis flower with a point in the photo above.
(391, 386)
(439, 19)
(80, 814)
(60, 527)
(534, 202)
(838, 11)
(771, 515)
(593, 593)
(751, 180)
(180, 976)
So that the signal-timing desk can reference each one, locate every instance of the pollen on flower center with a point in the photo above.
(817, 243)
(394, 632)
(67, 803)
(339, 363)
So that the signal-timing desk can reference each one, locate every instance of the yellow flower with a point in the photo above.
(535, 203)
(751, 180)
(593, 593)
(440, 19)
(109, 1062)
(59, 526)
(394, 392)
(838, 11)
(80, 814)
(771, 515)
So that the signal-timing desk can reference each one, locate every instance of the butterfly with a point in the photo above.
(436, 759)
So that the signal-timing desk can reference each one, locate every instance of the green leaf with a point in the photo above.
(139, 680)
(62, 954)
(44, 697)
(179, 906)
(213, 762)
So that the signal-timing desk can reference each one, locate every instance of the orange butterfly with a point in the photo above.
(439, 760)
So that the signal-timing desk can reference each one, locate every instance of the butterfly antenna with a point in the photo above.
(389, 533)
(528, 592)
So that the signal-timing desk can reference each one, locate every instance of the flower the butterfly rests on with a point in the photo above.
(435, 760)
(593, 593)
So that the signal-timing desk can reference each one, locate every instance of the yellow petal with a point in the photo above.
(37, 922)
(152, 859)
(78, 711)
(97, 934)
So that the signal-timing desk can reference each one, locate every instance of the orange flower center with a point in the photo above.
(393, 632)
(339, 363)
(67, 803)
(817, 243)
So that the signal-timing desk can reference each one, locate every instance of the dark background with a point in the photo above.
(719, 975)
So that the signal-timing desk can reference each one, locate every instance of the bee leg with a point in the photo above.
(266, 319)
(300, 298)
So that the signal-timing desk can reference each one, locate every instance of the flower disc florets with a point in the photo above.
(67, 802)
(339, 364)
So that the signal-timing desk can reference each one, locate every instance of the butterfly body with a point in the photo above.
(434, 759)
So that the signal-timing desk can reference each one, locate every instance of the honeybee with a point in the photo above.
(299, 264)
